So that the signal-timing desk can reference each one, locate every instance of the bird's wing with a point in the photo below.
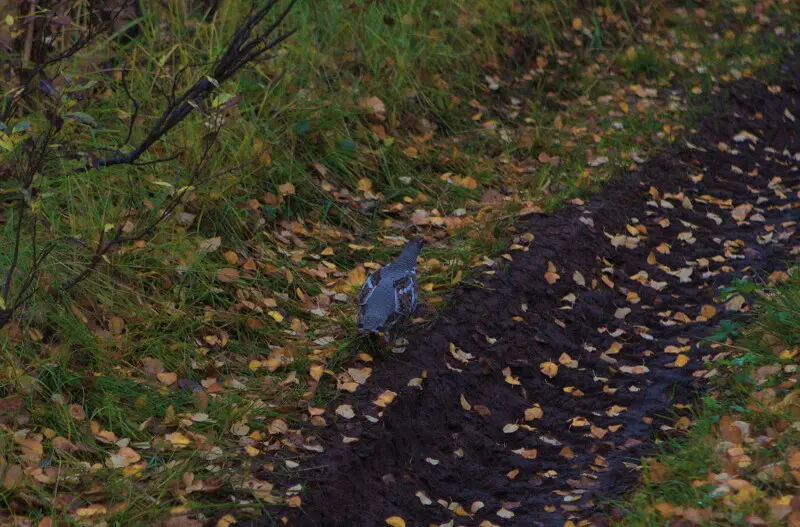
(405, 294)
(369, 287)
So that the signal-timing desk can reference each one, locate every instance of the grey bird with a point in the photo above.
(389, 295)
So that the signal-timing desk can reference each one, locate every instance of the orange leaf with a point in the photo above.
(286, 189)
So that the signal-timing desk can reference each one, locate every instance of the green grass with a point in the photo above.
(679, 482)
(428, 63)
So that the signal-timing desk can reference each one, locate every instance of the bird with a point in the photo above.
(389, 295)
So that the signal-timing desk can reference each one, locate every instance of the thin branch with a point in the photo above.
(15, 254)
(135, 106)
(242, 50)
(81, 42)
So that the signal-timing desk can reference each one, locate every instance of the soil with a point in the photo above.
(696, 199)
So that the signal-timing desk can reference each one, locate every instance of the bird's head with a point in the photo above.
(412, 249)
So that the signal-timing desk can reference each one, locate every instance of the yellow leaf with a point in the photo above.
(176, 438)
(680, 361)
(741, 212)
(549, 368)
(735, 304)
(364, 185)
(577, 24)
(464, 403)
(357, 276)
(286, 189)
(385, 398)
(316, 371)
(395, 521)
(276, 315)
(708, 311)
(513, 381)
(533, 413)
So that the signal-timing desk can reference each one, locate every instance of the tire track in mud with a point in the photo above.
(645, 259)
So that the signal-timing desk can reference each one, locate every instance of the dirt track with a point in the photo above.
(617, 381)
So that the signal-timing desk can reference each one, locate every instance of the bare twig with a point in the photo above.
(243, 49)
(15, 96)
(247, 45)
(26, 54)
(105, 245)
(135, 103)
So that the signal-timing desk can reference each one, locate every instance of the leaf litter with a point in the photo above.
(552, 440)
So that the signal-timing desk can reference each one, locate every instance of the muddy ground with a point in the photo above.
(644, 260)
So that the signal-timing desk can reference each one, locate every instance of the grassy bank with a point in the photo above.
(159, 384)
(739, 464)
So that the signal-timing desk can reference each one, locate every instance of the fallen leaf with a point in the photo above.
(385, 398)
(551, 276)
(346, 411)
(549, 368)
(395, 521)
(533, 413)
(286, 189)
(464, 403)
(680, 361)
(167, 378)
(227, 275)
(708, 311)
(209, 245)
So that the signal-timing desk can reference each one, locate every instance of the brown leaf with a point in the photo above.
(11, 404)
(32, 449)
(13, 476)
(62, 443)
(375, 106)
(657, 472)
(77, 412)
(469, 182)
(227, 275)
(286, 189)
(482, 410)
(167, 378)
(152, 367)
